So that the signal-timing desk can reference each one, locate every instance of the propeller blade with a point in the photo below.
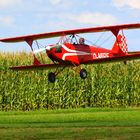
(48, 48)
(39, 50)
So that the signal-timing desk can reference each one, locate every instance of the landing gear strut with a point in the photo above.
(83, 73)
(52, 75)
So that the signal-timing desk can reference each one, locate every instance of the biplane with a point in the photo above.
(69, 53)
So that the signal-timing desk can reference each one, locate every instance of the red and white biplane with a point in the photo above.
(66, 52)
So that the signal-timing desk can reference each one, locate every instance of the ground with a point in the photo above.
(89, 123)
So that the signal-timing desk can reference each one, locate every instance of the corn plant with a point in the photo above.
(107, 85)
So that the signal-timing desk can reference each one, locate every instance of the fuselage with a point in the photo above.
(78, 53)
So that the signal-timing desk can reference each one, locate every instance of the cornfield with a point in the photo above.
(107, 85)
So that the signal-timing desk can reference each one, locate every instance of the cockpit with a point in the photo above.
(58, 48)
(73, 39)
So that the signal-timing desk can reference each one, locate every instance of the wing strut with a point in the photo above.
(30, 43)
(115, 32)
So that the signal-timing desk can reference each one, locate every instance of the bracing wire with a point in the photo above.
(38, 45)
(108, 38)
(99, 38)
(90, 42)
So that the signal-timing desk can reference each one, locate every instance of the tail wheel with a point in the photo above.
(83, 73)
(51, 77)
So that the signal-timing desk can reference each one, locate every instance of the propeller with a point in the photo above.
(48, 48)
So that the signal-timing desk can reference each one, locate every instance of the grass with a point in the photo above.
(89, 123)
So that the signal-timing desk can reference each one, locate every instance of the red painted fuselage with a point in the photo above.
(78, 53)
(83, 53)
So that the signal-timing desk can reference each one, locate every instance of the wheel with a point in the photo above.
(83, 73)
(51, 77)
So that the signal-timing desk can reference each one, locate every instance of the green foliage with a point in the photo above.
(107, 85)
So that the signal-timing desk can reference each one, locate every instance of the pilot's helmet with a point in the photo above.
(81, 40)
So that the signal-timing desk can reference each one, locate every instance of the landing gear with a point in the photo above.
(83, 73)
(51, 77)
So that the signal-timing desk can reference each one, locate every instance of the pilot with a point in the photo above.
(81, 40)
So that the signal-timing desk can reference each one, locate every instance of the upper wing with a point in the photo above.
(115, 59)
(114, 29)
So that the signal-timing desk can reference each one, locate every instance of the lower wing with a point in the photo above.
(131, 56)
(42, 66)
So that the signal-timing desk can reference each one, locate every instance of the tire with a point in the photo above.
(83, 73)
(51, 77)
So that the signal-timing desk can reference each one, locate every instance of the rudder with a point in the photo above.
(120, 46)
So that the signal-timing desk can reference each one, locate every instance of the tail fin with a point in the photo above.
(120, 46)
